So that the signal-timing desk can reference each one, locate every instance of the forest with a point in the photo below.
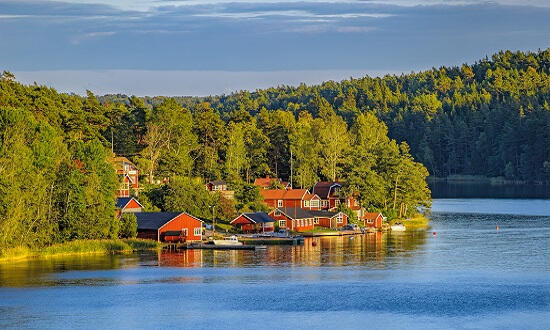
(490, 118)
(380, 136)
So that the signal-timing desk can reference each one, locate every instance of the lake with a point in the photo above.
(467, 275)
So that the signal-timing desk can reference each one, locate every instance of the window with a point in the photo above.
(316, 221)
(306, 203)
(339, 219)
(336, 202)
(310, 222)
(282, 223)
(370, 221)
(314, 203)
(324, 203)
(279, 203)
(197, 231)
(276, 213)
(184, 232)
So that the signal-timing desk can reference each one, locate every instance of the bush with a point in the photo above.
(128, 226)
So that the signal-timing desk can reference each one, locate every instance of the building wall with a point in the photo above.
(376, 223)
(295, 225)
(182, 222)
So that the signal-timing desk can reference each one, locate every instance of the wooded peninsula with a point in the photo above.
(381, 137)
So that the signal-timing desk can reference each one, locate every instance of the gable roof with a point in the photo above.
(295, 212)
(325, 188)
(155, 220)
(373, 215)
(257, 217)
(118, 162)
(267, 181)
(121, 202)
(324, 214)
(284, 194)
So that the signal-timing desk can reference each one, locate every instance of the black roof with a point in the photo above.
(154, 220)
(123, 201)
(323, 213)
(259, 217)
(295, 212)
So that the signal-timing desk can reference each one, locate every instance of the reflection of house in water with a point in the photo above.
(186, 258)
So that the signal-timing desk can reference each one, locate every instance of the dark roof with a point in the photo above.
(172, 233)
(121, 202)
(323, 188)
(217, 182)
(295, 212)
(154, 220)
(322, 214)
(259, 217)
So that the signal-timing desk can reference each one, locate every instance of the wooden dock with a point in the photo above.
(202, 246)
(331, 233)
(272, 240)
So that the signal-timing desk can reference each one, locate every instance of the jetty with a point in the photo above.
(331, 233)
(298, 240)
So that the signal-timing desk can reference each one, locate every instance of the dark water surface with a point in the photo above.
(469, 275)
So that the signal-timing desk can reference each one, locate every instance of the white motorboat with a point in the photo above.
(398, 226)
(228, 241)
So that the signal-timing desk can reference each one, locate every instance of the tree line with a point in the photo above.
(490, 118)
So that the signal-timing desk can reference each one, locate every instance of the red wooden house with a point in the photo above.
(127, 205)
(128, 173)
(298, 198)
(329, 193)
(256, 222)
(293, 218)
(267, 183)
(169, 226)
(373, 220)
(329, 219)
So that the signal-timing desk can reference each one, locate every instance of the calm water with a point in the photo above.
(469, 275)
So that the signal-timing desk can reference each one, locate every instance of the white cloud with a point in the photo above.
(92, 35)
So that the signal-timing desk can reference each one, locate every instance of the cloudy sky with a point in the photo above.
(191, 47)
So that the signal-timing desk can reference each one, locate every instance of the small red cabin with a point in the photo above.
(169, 226)
(127, 205)
(373, 219)
(257, 222)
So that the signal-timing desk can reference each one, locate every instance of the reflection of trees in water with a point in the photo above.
(370, 250)
(36, 272)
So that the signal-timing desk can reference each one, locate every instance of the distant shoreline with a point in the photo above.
(481, 179)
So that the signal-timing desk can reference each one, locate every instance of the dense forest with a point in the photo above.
(56, 182)
(491, 118)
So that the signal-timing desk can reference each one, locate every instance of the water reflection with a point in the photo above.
(370, 250)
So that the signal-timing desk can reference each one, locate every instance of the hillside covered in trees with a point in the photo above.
(491, 118)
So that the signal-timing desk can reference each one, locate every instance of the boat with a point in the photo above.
(398, 226)
(228, 241)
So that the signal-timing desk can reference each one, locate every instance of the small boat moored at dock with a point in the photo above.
(228, 241)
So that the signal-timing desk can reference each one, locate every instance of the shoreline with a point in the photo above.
(481, 179)
(80, 247)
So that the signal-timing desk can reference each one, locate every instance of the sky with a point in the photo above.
(191, 47)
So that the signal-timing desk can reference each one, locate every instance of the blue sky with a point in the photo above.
(153, 47)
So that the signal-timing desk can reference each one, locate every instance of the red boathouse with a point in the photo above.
(169, 226)
(257, 222)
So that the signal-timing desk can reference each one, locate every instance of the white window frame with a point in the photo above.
(340, 219)
(276, 213)
(280, 203)
(282, 223)
(324, 203)
(314, 203)
(197, 231)
(370, 221)
(336, 202)
(306, 203)
(316, 221)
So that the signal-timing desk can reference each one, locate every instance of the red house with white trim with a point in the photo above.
(128, 172)
(300, 198)
(298, 219)
(127, 205)
(373, 219)
(256, 222)
(329, 193)
(169, 226)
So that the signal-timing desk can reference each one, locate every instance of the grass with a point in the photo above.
(80, 247)
(417, 222)
(320, 230)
